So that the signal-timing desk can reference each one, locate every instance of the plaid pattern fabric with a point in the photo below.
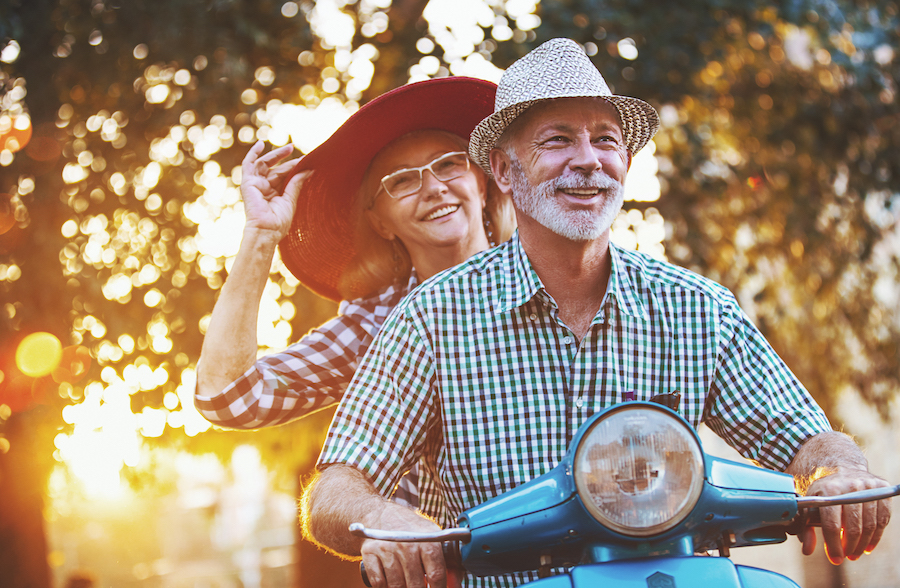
(476, 374)
(310, 375)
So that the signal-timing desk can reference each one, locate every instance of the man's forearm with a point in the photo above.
(342, 495)
(824, 454)
(337, 497)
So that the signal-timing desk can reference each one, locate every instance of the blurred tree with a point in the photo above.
(780, 164)
(118, 204)
(138, 111)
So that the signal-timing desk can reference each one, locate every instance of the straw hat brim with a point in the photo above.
(320, 244)
(640, 121)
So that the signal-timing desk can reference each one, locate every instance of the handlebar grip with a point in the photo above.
(813, 518)
(364, 575)
(452, 558)
(809, 517)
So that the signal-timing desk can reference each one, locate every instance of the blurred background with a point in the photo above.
(122, 126)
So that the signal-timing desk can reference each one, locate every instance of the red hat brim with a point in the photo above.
(320, 244)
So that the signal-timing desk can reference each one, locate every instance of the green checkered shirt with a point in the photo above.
(476, 372)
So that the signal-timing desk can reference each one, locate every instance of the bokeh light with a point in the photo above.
(73, 365)
(38, 354)
(15, 132)
(642, 182)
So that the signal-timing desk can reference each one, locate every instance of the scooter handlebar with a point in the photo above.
(809, 515)
(849, 498)
(454, 534)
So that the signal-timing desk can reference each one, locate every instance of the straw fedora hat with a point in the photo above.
(320, 245)
(558, 68)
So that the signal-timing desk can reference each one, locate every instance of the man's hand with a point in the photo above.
(849, 530)
(269, 203)
(342, 495)
(853, 529)
(390, 564)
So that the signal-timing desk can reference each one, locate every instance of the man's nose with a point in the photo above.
(585, 157)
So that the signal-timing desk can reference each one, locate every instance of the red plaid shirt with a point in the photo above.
(310, 375)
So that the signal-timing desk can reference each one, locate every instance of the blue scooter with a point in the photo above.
(635, 503)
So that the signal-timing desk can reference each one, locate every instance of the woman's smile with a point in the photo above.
(441, 212)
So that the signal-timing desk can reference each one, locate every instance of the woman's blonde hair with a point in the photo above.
(380, 262)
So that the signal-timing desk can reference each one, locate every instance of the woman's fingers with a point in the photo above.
(262, 166)
(271, 159)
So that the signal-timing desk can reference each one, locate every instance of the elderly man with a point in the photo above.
(488, 369)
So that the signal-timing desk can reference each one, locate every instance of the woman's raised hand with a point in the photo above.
(269, 203)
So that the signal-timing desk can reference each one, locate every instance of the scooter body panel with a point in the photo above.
(667, 572)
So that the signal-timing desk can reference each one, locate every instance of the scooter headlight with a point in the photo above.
(638, 470)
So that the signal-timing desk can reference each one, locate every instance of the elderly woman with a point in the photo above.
(389, 200)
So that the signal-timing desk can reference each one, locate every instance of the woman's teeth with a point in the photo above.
(441, 212)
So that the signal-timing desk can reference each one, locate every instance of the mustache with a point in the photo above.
(596, 179)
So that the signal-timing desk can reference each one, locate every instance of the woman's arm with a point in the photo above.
(230, 345)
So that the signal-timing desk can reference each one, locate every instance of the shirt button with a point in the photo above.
(568, 340)
(579, 402)
(532, 317)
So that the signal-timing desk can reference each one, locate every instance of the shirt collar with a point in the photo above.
(523, 284)
(622, 286)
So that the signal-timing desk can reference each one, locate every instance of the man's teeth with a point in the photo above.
(441, 212)
(581, 191)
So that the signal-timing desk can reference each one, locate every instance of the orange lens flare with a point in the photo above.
(7, 213)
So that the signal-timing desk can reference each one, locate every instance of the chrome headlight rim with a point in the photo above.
(698, 466)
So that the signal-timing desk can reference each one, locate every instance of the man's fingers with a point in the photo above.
(808, 538)
(883, 517)
(395, 571)
(831, 533)
(869, 525)
(374, 573)
(404, 565)
(434, 565)
(852, 528)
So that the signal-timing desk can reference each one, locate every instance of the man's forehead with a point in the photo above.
(567, 113)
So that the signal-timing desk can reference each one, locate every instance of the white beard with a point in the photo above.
(540, 203)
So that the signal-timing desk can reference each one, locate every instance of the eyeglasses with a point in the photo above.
(408, 181)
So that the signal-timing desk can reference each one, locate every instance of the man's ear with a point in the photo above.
(630, 157)
(378, 225)
(500, 167)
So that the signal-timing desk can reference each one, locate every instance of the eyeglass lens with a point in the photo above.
(408, 181)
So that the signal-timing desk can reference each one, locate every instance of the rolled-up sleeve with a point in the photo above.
(310, 375)
(381, 424)
(758, 405)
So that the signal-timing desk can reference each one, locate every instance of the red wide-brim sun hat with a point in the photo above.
(320, 244)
